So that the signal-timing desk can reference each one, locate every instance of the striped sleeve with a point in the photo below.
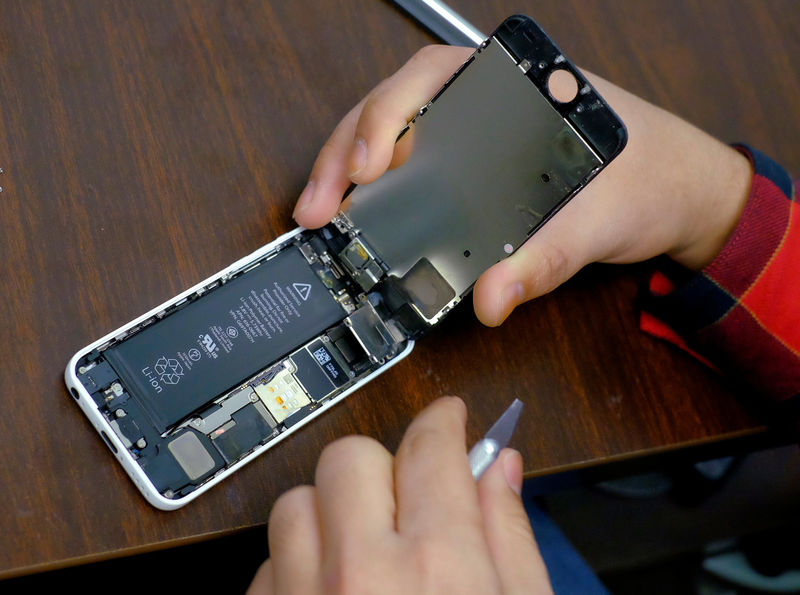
(741, 314)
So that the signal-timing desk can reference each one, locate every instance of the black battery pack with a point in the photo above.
(219, 340)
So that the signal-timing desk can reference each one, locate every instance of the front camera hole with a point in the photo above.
(562, 85)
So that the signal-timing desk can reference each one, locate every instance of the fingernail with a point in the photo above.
(510, 298)
(512, 468)
(305, 200)
(358, 158)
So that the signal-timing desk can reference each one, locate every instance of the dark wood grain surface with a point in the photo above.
(147, 144)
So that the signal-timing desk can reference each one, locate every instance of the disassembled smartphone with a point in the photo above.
(195, 388)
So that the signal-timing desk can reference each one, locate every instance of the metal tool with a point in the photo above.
(487, 449)
(443, 21)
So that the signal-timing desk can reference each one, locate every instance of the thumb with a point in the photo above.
(508, 531)
(540, 265)
(264, 580)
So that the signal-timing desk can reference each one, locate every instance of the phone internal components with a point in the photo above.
(244, 431)
(211, 344)
(191, 455)
(376, 338)
(282, 395)
(318, 370)
(361, 264)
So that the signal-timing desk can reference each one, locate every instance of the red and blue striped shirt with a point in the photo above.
(741, 313)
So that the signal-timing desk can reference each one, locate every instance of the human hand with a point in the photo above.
(413, 523)
(674, 189)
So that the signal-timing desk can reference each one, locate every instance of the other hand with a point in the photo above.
(413, 523)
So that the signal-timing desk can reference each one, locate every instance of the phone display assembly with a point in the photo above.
(192, 390)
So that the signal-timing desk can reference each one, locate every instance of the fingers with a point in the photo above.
(563, 246)
(361, 147)
(320, 199)
(508, 530)
(444, 534)
(391, 105)
(435, 490)
(295, 544)
(263, 581)
(355, 481)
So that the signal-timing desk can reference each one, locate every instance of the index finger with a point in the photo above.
(373, 125)
(436, 492)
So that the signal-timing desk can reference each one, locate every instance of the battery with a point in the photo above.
(197, 353)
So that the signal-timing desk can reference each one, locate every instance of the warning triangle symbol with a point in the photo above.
(302, 289)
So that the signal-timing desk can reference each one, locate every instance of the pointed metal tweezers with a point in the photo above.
(487, 449)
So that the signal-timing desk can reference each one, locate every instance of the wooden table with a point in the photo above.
(146, 144)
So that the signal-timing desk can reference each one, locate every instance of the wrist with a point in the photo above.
(684, 190)
(718, 188)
